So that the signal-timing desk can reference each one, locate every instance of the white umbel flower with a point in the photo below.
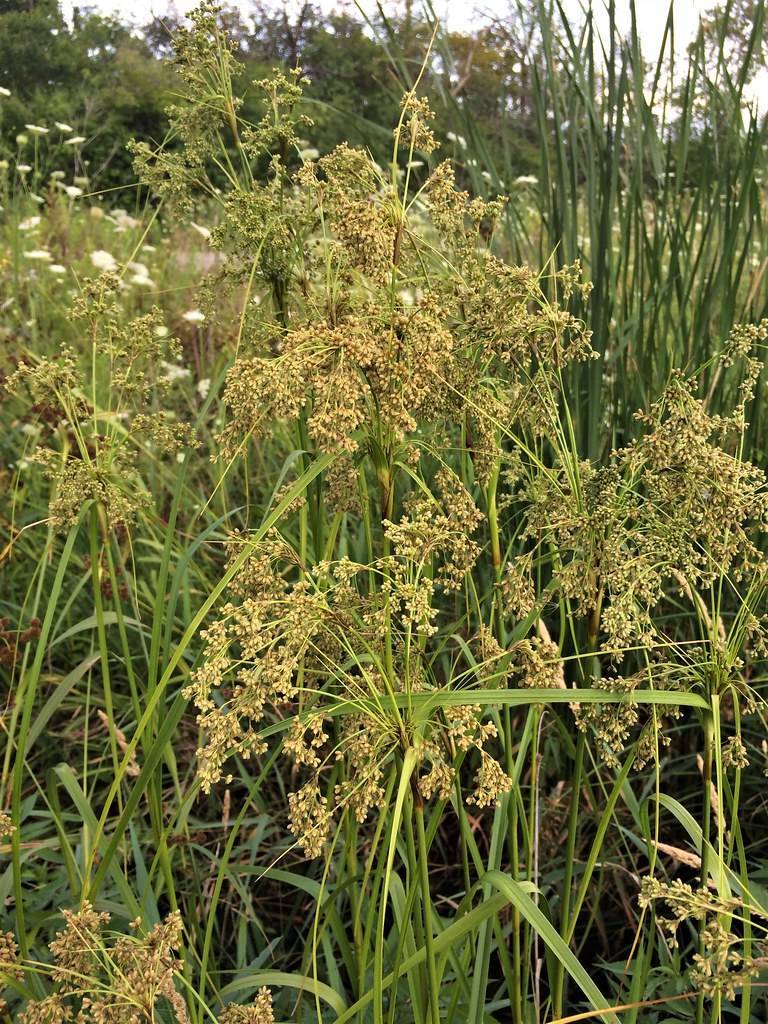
(173, 372)
(193, 316)
(103, 260)
(143, 281)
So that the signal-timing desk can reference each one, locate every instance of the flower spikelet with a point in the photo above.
(491, 782)
(309, 818)
(258, 1012)
(76, 948)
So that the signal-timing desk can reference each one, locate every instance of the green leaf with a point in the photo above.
(281, 979)
(536, 918)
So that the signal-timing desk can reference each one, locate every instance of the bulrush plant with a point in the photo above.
(433, 611)
(392, 612)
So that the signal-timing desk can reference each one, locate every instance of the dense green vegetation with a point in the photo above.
(382, 520)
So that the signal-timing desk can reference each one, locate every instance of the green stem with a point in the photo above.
(101, 632)
(426, 900)
(566, 924)
(513, 845)
(493, 522)
(570, 854)
(706, 825)
(31, 683)
(315, 497)
(387, 492)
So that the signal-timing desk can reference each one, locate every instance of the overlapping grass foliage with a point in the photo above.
(652, 172)
(369, 656)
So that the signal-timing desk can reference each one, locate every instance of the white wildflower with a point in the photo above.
(73, 191)
(76, 140)
(57, 268)
(23, 168)
(203, 387)
(173, 372)
(41, 255)
(4, 91)
(63, 127)
(309, 154)
(57, 175)
(29, 223)
(525, 180)
(203, 231)
(193, 316)
(124, 221)
(103, 260)
(161, 331)
(143, 281)
(458, 139)
(37, 129)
